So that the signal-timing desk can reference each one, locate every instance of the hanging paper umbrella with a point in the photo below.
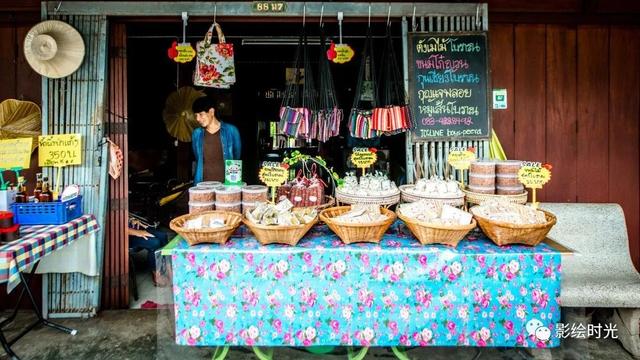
(177, 114)
(20, 119)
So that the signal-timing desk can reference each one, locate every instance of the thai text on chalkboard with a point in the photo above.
(448, 85)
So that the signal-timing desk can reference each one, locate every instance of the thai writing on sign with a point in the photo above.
(363, 157)
(460, 158)
(60, 150)
(273, 173)
(448, 85)
(186, 53)
(15, 153)
(534, 175)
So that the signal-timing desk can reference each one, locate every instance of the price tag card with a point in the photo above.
(60, 150)
(185, 53)
(534, 175)
(273, 174)
(461, 158)
(364, 157)
(15, 153)
(343, 54)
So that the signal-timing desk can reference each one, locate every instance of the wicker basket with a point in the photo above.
(437, 234)
(274, 234)
(477, 198)
(386, 201)
(211, 235)
(329, 201)
(503, 233)
(408, 197)
(352, 233)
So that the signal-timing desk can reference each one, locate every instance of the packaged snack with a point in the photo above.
(483, 167)
(255, 193)
(482, 180)
(232, 207)
(209, 184)
(228, 195)
(482, 189)
(199, 207)
(202, 194)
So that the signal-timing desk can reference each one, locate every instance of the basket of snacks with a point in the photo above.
(369, 190)
(506, 223)
(435, 223)
(479, 198)
(441, 191)
(358, 223)
(280, 223)
(207, 227)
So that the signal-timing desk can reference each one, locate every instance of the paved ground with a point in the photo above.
(147, 334)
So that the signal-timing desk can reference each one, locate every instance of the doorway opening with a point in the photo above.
(161, 166)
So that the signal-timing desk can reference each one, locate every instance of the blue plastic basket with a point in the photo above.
(47, 213)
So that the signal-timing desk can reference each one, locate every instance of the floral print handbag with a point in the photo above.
(214, 66)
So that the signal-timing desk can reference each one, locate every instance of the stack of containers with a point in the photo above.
(507, 177)
(201, 199)
(482, 177)
(252, 195)
(9, 231)
(229, 198)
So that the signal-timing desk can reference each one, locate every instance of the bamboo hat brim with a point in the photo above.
(54, 49)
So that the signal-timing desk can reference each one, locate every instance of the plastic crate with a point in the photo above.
(47, 213)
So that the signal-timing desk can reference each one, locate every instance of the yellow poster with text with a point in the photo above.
(15, 153)
(60, 150)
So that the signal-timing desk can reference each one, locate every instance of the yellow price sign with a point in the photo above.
(534, 175)
(15, 153)
(461, 159)
(344, 53)
(273, 174)
(60, 150)
(364, 157)
(185, 53)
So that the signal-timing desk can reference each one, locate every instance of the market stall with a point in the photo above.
(394, 293)
(22, 256)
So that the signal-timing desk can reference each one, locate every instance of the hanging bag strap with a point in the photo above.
(367, 53)
(209, 36)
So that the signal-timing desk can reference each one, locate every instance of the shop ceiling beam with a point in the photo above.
(245, 8)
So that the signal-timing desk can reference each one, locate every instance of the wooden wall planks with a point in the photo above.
(530, 94)
(624, 107)
(115, 293)
(593, 114)
(576, 104)
(501, 44)
(561, 133)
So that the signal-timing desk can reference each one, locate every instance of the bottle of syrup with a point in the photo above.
(21, 195)
(38, 189)
(46, 195)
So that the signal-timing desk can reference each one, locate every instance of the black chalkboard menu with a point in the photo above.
(448, 85)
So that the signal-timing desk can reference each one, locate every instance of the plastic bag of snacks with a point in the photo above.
(304, 191)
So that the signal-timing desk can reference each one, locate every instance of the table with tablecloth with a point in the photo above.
(395, 293)
(38, 242)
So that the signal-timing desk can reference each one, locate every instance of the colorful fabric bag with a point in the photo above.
(214, 67)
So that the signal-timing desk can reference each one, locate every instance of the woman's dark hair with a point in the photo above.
(204, 104)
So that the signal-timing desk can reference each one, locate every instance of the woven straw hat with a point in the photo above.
(54, 49)
(177, 114)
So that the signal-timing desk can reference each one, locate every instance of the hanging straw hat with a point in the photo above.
(19, 119)
(54, 49)
(177, 114)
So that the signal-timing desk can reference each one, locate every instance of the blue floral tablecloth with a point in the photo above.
(396, 293)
